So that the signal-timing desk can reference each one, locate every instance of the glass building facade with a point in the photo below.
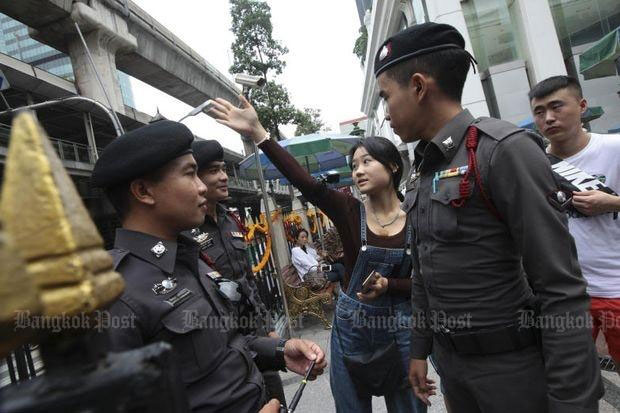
(580, 22)
(15, 42)
(492, 31)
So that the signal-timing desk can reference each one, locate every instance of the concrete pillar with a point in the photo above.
(450, 12)
(106, 34)
(279, 247)
(90, 136)
(538, 36)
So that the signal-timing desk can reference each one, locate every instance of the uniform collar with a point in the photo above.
(141, 245)
(220, 212)
(449, 138)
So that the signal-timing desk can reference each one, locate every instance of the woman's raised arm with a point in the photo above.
(244, 120)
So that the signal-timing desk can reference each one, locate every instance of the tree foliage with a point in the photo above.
(256, 52)
(361, 44)
(357, 131)
(308, 121)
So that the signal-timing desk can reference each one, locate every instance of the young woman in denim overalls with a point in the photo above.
(375, 237)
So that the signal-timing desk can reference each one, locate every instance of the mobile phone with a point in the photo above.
(326, 267)
(370, 280)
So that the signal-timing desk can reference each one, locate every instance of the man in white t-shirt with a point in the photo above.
(592, 166)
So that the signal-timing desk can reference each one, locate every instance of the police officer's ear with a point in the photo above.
(419, 84)
(583, 105)
(141, 190)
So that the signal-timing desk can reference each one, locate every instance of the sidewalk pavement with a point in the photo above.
(317, 396)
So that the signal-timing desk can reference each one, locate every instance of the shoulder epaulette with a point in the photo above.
(496, 129)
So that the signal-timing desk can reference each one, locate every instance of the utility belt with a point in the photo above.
(488, 341)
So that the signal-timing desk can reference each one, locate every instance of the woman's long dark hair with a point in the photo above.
(385, 152)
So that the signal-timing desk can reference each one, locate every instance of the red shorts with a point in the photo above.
(606, 318)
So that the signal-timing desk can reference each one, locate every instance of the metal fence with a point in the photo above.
(66, 150)
(266, 281)
(22, 364)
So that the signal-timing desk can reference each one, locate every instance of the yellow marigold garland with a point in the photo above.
(263, 228)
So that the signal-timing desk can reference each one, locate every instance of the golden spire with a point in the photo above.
(49, 226)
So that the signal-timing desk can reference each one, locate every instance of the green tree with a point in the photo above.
(308, 121)
(357, 131)
(361, 44)
(256, 52)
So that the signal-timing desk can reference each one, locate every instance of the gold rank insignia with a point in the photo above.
(236, 234)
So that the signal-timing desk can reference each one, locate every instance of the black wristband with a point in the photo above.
(280, 352)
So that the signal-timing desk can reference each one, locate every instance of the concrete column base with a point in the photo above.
(105, 34)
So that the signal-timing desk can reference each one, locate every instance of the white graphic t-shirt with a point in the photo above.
(598, 237)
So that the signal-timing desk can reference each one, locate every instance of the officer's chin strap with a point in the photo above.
(471, 143)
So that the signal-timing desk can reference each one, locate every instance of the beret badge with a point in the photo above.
(385, 51)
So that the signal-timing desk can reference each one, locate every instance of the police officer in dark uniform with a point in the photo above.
(498, 294)
(222, 244)
(149, 175)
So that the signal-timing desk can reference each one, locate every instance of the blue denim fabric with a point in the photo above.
(364, 327)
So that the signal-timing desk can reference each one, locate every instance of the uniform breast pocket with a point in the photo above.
(197, 338)
(238, 243)
(444, 223)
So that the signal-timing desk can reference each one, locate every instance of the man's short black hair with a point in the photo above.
(448, 67)
(552, 84)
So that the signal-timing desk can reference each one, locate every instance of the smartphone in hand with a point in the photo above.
(370, 280)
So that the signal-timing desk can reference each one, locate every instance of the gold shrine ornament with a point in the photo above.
(51, 230)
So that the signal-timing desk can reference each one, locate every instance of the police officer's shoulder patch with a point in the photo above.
(496, 129)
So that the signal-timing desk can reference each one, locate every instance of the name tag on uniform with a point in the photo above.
(236, 234)
(179, 298)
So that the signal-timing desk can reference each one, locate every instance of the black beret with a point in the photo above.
(140, 152)
(415, 41)
(207, 151)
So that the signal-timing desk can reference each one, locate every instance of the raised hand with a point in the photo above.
(243, 120)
